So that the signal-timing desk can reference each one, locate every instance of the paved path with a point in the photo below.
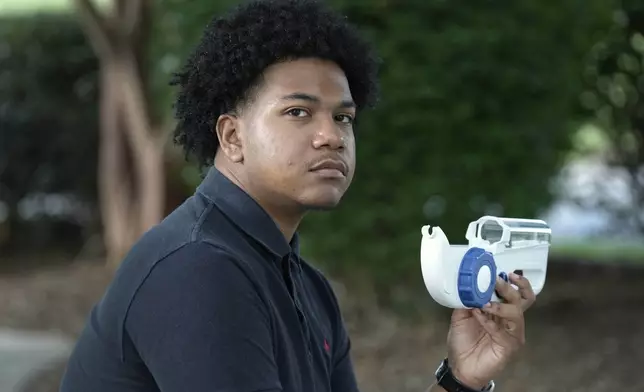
(24, 352)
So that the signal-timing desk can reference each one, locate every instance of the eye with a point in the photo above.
(344, 118)
(296, 112)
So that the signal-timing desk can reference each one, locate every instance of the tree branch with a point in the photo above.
(96, 27)
(133, 101)
(165, 135)
(133, 16)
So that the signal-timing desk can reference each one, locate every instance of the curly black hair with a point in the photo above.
(235, 49)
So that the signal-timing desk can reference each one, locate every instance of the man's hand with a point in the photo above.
(482, 341)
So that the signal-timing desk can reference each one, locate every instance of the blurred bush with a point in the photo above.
(48, 130)
(614, 99)
(480, 101)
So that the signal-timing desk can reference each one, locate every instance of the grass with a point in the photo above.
(32, 6)
(601, 251)
(28, 6)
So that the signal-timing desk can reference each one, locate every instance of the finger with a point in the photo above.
(525, 290)
(508, 317)
(507, 313)
(507, 292)
(488, 324)
(504, 311)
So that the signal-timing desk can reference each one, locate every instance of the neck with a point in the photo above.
(287, 219)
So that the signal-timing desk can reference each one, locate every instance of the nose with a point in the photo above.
(329, 135)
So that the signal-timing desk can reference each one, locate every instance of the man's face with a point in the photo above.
(296, 136)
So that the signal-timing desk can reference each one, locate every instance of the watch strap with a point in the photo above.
(445, 379)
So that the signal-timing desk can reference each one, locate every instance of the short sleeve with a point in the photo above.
(343, 378)
(199, 325)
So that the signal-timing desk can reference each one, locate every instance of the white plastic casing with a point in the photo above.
(463, 276)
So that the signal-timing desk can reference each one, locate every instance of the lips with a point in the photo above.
(330, 164)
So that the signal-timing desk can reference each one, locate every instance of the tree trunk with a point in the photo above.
(148, 146)
(114, 191)
(131, 157)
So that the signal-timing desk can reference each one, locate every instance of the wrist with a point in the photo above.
(469, 382)
(453, 380)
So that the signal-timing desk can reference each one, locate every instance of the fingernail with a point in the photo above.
(503, 276)
(487, 305)
(515, 276)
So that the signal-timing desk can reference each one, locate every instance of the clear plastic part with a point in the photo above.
(515, 233)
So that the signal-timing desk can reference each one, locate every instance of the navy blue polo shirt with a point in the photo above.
(214, 299)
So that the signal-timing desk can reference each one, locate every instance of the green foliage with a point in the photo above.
(48, 109)
(476, 117)
(177, 27)
(614, 98)
(479, 104)
(48, 128)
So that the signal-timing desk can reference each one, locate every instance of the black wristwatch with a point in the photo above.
(448, 382)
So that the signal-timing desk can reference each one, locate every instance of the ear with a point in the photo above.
(227, 130)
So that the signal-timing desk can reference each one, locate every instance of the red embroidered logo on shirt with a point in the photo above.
(326, 346)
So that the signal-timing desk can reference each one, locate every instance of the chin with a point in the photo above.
(322, 206)
(321, 202)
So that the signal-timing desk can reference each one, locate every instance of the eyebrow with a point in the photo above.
(346, 104)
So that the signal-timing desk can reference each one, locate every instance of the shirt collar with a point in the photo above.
(246, 213)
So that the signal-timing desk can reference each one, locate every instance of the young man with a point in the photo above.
(216, 297)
